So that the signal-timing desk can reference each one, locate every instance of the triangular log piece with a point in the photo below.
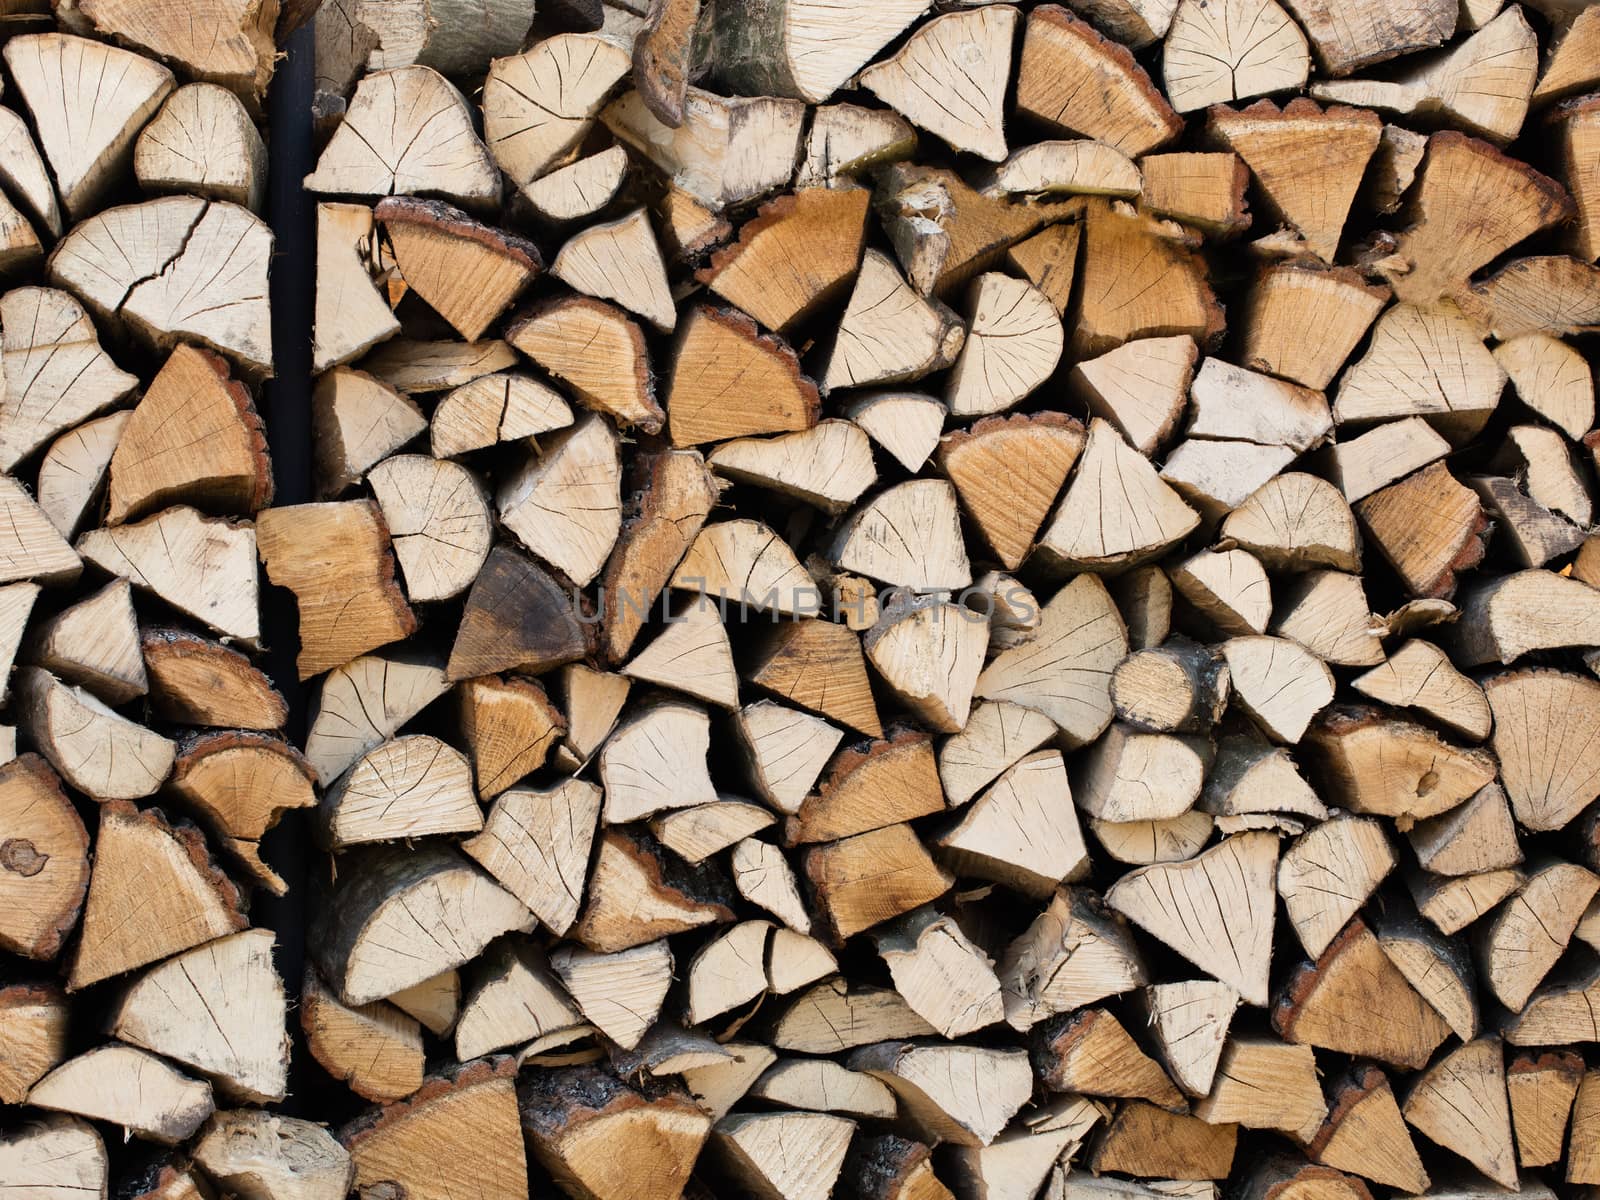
(1530, 932)
(1583, 1164)
(1074, 167)
(1014, 342)
(1504, 618)
(96, 750)
(1454, 903)
(1548, 769)
(1008, 472)
(828, 465)
(32, 548)
(1216, 477)
(357, 936)
(1241, 867)
(435, 1002)
(784, 1156)
(929, 653)
(1241, 48)
(1573, 62)
(1460, 1103)
(195, 681)
(56, 374)
(1074, 931)
(1250, 775)
(846, 140)
(536, 844)
(1093, 530)
(1429, 527)
(921, 336)
(1235, 404)
(73, 470)
(241, 784)
(1132, 776)
(1439, 968)
(514, 999)
(832, 1017)
(906, 424)
(727, 972)
(964, 1095)
(470, 1109)
(363, 703)
(798, 254)
(351, 315)
(1188, 1024)
(869, 786)
(44, 865)
(1261, 1083)
(25, 175)
(335, 557)
(123, 1086)
(1149, 1141)
(218, 1008)
(502, 407)
(252, 1152)
(795, 960)
(1229, 588)
(1331, 1004)
(1475, 836)
(538, 106)
(1120, 107)
(998, 734)
(818, 665)
(717, 1088)
(820, 1085)
(509, 725)
(1551, 378)
(620, 994)
(637, 894)
(1206, 190)
(764, 877)
(1019, 832)
(517, 618)
(58, 1156)
(786, 751)
(1365, 1134)
(1419, 675)
(203, 142)
(1370, 763)
(943, 975)
(374, 1049)
(1090, 1052)
(86, 133)
(1328, 874)
(730, 380)
(94, 643)
(1140, 278)
(1383, 455)
(1140, 387)
(908, 536)
(1327, 613)
(407, 131)
(1287, 298)
(1049, 259)
(1532, 533)
(468, 273)
(657, 760)
(621, 262)
(597, 351)
(1143, 843)
(357, 422)
(1346, 41)
(1297, 522)
(1541, 1088)
(408, 787)
(863, 880)
(1278, 683)
(691, 655)
(1065, 672)
(968, 113)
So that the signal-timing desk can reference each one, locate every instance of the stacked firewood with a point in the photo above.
(906, 600)
(142, 752)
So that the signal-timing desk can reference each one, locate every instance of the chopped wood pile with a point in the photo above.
(906, 599)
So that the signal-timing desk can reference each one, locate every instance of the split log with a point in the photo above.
(1145, 1140)
(620, 994)
(203, 143)
(954, 1093)
(44, 863)
(884, 310)
(1091, 1053)
(829, 465)
(717, 348)
(373, 1049)
(537, 106)
(97, 751)
(351, 316)
(194, 681)
(1461, 1103)
(73, 471)
(1245, 48)
(517, 619)
(58, 1156)
(124, 1086)
(260, 1155)
(1139, 387)
(1263, 1084)
(784, 1156)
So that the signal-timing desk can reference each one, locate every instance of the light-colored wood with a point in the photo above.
(218, 1008)
(964, 1095)
(1083, 167)
(610, 375)
(637, 894)
(1113, 777)
(73, 470)
(1419, 675)
(1531, 931)
(1582, 1163)
(357, 422)
(1217, 477)
(1440, 970)
(999, 733)
(1049, 259)
(94, 643)
(537, 106)
(1278, 683)
(1550, 378)
(727, 150)
(1074, 953)
(1139, 387)
(720, 351)
(439, 522)
(786, 751)
(1429, 527)
(31, 547)
(259, 1155)
(56, 374)
(1327, 875)
(1461, 1103)
(727, 972)
(356, 938)
(124, 1086)
(884, 312)
(1327, 613)
(829, 465)
(1232, 51)
(203, 142)
(1366, 1135)
(823, 1086)
(408, 787)
(1541, 1090)
(846, 139)
(1371, 763)
(1188, 1024)
(831, 1017)
(363, 703)
(1454, 903)
(942, 974)
(96, 750)
(764, 877)
(514, 999)
(929, 653)
(1548, 771)
(374, 1049)
(1297, 522)
(1288, 298)
(804, 48)
(580, 189)
(57, 1156)
(510, 726)
(619, 261)
(620, 994)
(1095, 527)
(908, 536)
(435, 1002)
(87, 133)
(1329, 1003)
(869, 878)
(565, 502)
(438, 249)
(25, 175)
(1065, 672)
(407, 131)
(1014, 341)
(1345, 41)
(656, 760)
(1177, 687)
(1090, 1052)
(784, 1156)
(1383, 455)
(906, 424)
(1229, 588)
(351, 315)
(536, 844)
(472, 1110)
(1501, 619)
(335, 557)
(795, 960)
(1120, 107)
(1203, 189)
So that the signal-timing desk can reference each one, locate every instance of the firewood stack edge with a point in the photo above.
(905, 599)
